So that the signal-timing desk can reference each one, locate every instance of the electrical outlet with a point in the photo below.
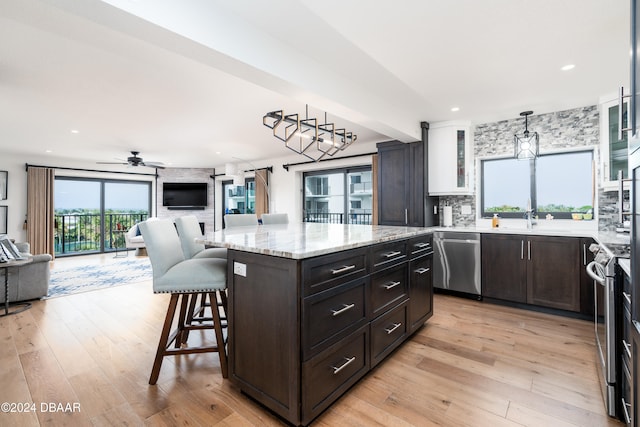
(240, 269)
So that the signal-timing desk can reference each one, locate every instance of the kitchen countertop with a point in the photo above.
(306, 240)
(617, 243)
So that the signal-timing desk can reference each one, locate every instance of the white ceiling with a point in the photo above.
(187, 82)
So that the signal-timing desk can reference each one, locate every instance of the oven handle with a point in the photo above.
(592, 273)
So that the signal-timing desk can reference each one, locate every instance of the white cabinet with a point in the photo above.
(450, 159)
(613, 151)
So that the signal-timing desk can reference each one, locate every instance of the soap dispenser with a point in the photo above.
(495, 221)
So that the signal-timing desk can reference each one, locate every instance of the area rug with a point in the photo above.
(91, 277)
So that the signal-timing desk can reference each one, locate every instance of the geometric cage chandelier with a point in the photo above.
(307, 136)
(526, 145)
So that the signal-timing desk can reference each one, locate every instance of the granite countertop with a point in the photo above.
(619, 244)
(306, 240)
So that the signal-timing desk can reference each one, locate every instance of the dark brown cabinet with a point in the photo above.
(420, 281)
(504, 270)
(303, 331)
(401, 176)
(537, 270)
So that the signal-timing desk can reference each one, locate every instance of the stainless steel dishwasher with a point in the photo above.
(457, 262)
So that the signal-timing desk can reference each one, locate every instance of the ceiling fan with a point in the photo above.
(134, 160)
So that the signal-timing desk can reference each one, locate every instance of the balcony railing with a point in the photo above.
(337, 218)
(83, 233)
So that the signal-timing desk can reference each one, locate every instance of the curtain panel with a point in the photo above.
(40, 210)
(262, 191)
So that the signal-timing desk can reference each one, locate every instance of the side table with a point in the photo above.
(116, 247)
(8, 266)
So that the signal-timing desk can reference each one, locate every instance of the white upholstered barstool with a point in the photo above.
(188, 231)
(184, 279)
(274, 218)
(240, 220)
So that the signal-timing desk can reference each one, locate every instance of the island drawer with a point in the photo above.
(388, 288)
(332, 372)
(388, 254)
(421, 245)
(330, 315)
(388, 332)
(326, 271)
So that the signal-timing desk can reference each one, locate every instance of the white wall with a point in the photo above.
(17, 183)
(16, 195)
(286, 186)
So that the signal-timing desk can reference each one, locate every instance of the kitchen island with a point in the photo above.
(313, 307)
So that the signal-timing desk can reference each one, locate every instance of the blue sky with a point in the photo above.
(72, 194)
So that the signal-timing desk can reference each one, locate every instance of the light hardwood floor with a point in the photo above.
(472, 364)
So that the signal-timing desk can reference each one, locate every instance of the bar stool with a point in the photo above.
(184, 279)
(188, 231)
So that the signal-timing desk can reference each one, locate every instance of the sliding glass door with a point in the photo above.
(92, 215)
(342, 196)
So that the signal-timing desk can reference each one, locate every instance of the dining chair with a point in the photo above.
(240, 220)
(275, 218)
(184, 279)
(188, 231)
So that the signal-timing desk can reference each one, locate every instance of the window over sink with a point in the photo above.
(559, 184)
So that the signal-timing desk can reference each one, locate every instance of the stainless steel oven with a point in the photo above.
(603, 271)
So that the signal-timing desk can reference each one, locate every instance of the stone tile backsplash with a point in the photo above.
(579, 127)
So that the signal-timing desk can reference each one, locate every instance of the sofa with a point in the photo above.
(30, 281)
(133, 240)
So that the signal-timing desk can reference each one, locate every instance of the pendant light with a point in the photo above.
(526, 145)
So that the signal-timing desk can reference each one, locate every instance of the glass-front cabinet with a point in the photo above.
(613, 150)
(450, 159)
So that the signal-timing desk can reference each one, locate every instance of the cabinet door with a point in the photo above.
(553, 279)
(613, 151)
(393, 176)
(504, 267)
(450, 159)
(420, 291)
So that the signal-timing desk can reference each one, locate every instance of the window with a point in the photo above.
(556, 184)
(91, 215)
(342, 196)
(239, 200)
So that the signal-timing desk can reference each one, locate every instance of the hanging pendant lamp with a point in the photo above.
(526, 145)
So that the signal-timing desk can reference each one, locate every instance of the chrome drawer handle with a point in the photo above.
(422, 245)
(395, 326)
(422, 270)
(627, 297)
(343, 269)
(391, 285)
(627, 348)
(626, 407)
(392, 254)
(349, 360)
(345, 307)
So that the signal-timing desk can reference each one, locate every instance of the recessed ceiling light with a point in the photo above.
(568, 67)
(75, 131)
(454, 109)
(48, 151)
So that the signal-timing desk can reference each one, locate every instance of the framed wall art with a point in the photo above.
(4, 177)
(3, 219)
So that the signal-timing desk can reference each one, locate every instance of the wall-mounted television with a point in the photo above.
(184, 195)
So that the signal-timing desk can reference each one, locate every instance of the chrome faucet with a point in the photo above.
(529, 217)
